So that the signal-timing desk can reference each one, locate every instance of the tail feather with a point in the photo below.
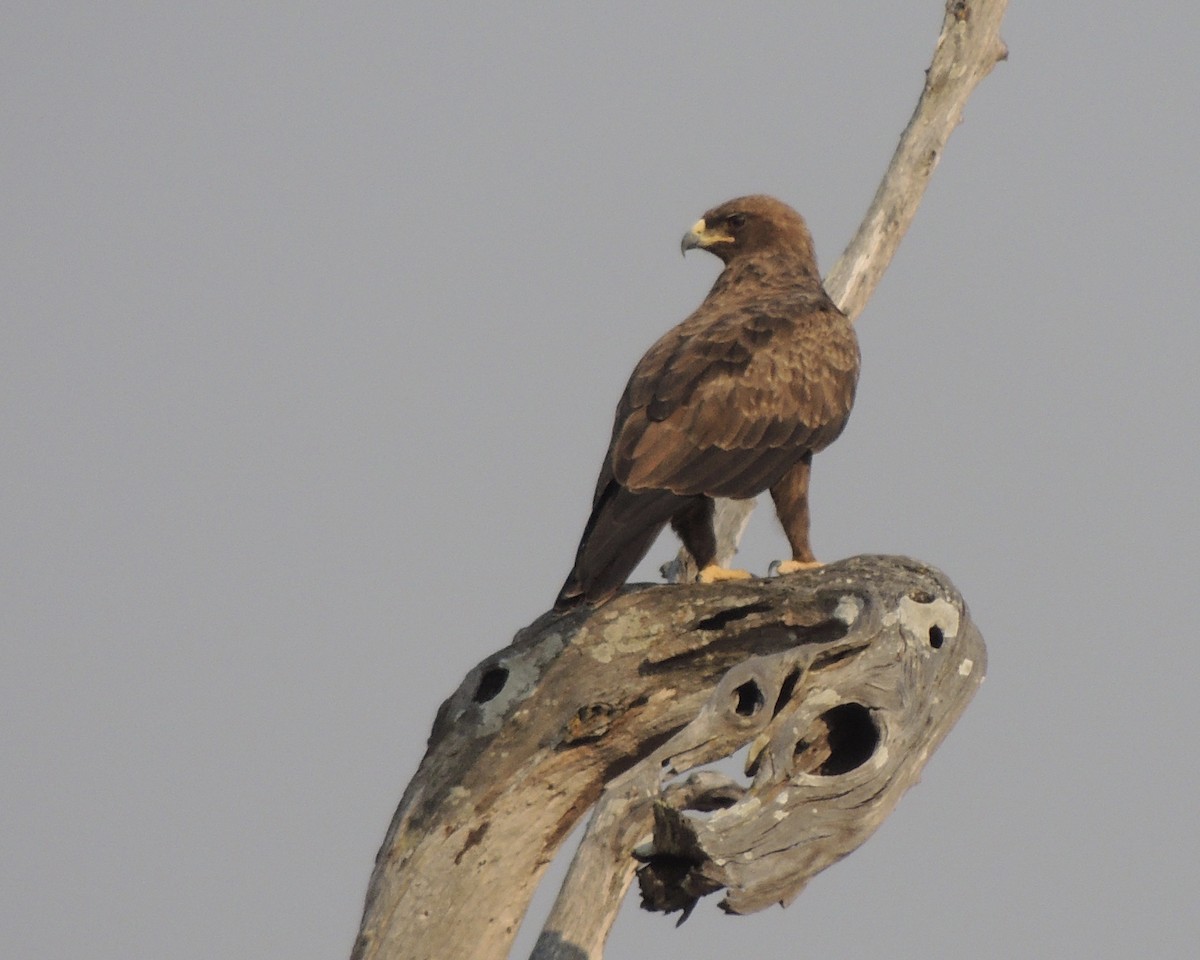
(620, 531)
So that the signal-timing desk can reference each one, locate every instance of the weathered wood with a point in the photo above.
(635, 694)
(968, 46)
(844, 678)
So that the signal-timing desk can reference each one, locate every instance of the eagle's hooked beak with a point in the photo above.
(703, 237)
(693, 238)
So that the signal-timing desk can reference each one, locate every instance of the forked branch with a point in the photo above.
(843, 680)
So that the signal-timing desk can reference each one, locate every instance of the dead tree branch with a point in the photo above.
(844, 679)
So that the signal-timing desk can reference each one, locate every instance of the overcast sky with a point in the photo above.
(314, 319)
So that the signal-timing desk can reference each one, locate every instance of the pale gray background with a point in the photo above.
(314, 317)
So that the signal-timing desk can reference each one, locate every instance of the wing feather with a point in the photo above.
(728, 400)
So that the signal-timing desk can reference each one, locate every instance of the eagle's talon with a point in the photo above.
(714, 573)
(779, 568)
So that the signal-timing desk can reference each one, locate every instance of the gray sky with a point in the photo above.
(314, 318)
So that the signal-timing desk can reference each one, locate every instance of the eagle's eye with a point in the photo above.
(737, 221)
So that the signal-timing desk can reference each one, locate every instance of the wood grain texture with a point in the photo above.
(621, 704)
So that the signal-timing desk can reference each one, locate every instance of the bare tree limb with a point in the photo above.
(604, 865)
(844, 679)
(968, 47)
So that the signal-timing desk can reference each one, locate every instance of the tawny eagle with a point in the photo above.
(733, 401)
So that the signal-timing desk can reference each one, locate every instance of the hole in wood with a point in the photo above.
(786, 689)
(589, 723)
(719, 620)
(748, 699)
(491, 683)
(842, 739)
(936, 637)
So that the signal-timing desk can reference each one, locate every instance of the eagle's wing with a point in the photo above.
(724, 404)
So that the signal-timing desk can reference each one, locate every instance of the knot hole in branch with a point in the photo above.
(936, 634)
(490, 684)
(842, 739)
(748, 699)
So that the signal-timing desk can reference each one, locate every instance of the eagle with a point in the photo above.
(733, 401)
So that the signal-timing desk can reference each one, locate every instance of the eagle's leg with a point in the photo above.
(790, 494)
(694, 525)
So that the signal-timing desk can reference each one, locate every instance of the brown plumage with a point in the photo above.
(731, 402)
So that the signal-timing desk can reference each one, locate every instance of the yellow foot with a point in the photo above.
(712, 573)
(780, 567)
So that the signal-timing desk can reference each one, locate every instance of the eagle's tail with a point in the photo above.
(620, 531)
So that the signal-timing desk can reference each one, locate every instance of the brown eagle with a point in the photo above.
(731, 402)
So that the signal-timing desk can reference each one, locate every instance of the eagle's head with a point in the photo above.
(750, 226)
